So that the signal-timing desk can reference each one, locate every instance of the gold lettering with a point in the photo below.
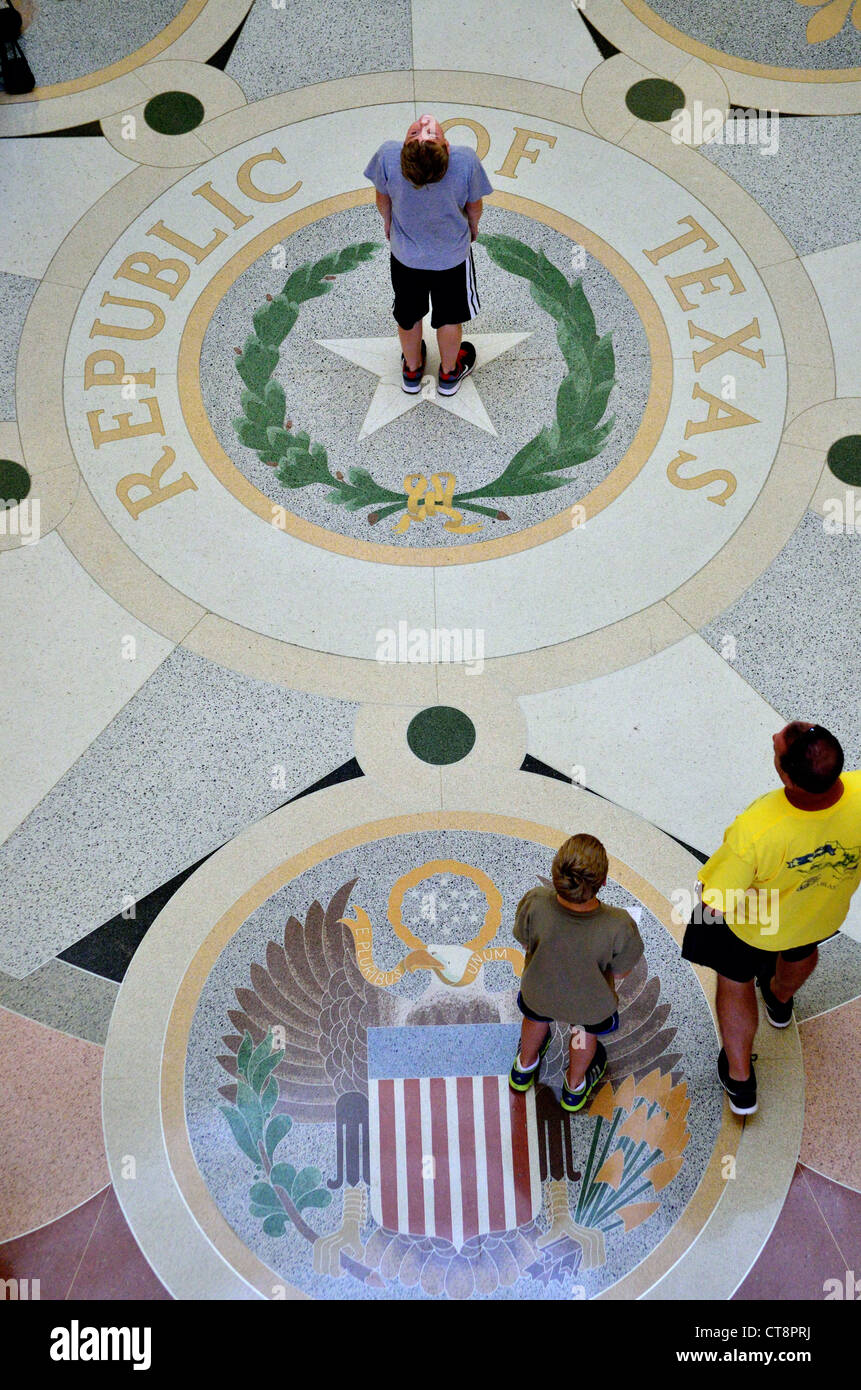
(114, 378)
(126, 431)
(155, 267)
(705, 277)
(519, 151)
(189, 248)
(714, 475)
(734, 343)
(109, 330)
(244, 184)
(152, 481)
(482, 138)
(669, 248)
(722, 415)
(233, 214)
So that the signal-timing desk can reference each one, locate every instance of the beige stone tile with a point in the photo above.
(212, 27)
(763, 241)
(149, 147)
(794, 98)
(818, 427)
(595, 653)
(55, 492)
(802, 322)
(508, 93)
(92, 237)
(24, 116)
(807, 386)
(218, 92)
(381, 88)
(604, 97)
(769, 524)
(744, 1217)
(95, 544)
(616, 22)
(544, 42)
(39, 379)
(300, 668)
(831, 1045)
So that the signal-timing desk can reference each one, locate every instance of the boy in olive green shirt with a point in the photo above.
(576, 947)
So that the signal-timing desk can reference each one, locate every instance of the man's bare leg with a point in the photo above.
(532, 1035)
(581, 1050)
(448, 335)
(738, 1018)
(411, 345)
(789, 975)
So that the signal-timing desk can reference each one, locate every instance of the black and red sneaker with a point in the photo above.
(412, 380)
(449, 382)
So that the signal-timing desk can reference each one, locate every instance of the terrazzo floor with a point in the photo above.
(277, 770)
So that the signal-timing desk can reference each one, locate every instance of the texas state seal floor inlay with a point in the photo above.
(307, 677)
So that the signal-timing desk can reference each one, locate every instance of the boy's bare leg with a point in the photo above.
(789, 975)
(448, 335)
(581, 1050)
(532, 1035)
(411, 345)
(738, 1019)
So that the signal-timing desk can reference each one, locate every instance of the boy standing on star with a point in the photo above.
(429, 194)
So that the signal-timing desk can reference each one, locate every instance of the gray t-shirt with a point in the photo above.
(429, 227)
(570, 956)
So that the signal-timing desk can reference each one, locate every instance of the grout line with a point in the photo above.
(822, 1214)
(828, 1177)
(68, 1292)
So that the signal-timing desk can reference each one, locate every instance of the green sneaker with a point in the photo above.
(575, 1100)
(521, 1080)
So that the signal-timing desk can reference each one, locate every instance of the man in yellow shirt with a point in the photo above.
(780, 883)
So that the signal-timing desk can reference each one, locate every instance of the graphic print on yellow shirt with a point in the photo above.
(798, 868)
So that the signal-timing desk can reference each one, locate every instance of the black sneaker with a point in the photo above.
(779, 1014)
(742, 1094)
(575, 1100)
(449, 382)
(521, 1080)
(412, 380)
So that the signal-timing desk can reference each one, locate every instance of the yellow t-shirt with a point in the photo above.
(802, 868)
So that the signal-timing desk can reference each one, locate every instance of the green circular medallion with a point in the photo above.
(441, 735)
(173, 113)
(844, 459)
(654, 99)
(14, 483)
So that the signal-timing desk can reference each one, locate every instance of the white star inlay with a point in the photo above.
(382, 357)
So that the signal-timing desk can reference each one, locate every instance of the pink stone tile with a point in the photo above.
(799, 1255)
(52, 1154)
(841, 1208)
(52, 1254)
(113, 1266)
(831, 1045)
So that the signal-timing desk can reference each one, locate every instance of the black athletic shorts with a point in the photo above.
(717, 947)
(607, 1025)
(453, 293)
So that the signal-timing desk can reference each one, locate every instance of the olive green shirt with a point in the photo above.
(570, 957)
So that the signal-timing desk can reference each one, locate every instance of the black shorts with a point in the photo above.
(607, 1025)
(717, 947)
(453, 293)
